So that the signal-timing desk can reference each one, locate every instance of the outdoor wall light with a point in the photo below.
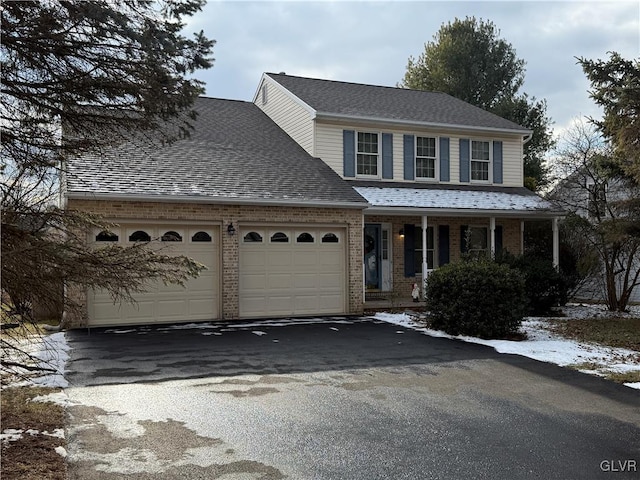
(401, 233)
(231, 230)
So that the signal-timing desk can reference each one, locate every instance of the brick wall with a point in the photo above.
(222, 215)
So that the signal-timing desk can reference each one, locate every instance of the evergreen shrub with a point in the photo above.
(479, 298)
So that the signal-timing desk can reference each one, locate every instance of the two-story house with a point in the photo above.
(306, 198)
(440, 175)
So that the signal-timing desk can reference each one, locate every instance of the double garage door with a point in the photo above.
(283, 271)
(289, 271)
(199, 299)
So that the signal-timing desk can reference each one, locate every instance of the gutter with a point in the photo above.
(460, 212)
(214, 200)
(415, 123)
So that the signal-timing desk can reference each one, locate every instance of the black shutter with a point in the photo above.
(409, 250)
(498, 234)
(443, 245)
(349, 153)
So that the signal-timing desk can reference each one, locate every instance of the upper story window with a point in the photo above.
(426, 158)
(480, 160)
(367, 154)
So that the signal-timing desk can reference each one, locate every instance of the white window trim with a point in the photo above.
(379, 163)
(436, 160)
(490, 173)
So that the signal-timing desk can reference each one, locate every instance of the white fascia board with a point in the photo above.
(461, 212)
(255, 95)
(213, 200)
(415, 123)
(288, 93)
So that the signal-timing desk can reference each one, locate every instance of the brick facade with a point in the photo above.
(223, 215)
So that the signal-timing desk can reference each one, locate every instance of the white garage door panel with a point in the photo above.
(279, 258)
(197, 300)
(292, 278)
(280, 281)
(305, 280)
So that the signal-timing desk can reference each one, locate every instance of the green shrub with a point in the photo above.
(545, 286)
(479, 298)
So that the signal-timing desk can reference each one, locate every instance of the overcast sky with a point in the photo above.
(370, 42)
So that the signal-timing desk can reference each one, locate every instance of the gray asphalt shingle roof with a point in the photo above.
(390, 103)
(235, 152)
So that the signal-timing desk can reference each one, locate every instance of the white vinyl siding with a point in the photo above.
(329, 137)
(329, 147)
(512, 163)
(289, 115)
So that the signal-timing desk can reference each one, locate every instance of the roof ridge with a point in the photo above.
(357, 83)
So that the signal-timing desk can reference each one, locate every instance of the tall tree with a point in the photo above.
(101, 71)
(468, 60)
(615, 85)
(604, 212)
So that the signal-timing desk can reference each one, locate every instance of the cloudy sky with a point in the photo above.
(370, 42)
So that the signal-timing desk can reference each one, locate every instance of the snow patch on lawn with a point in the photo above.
(543, 345)
(12, 434)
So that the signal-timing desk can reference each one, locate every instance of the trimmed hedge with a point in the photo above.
(479, 298)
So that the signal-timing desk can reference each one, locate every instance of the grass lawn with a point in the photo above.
(623, 332)
(620, 332)
(33, 455)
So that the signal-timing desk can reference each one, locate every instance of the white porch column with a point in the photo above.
(364, 266)
(556, 243)
(521, 237)
(424, 252)
(492, 236)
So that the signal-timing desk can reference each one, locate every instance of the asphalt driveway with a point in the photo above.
(336, 399)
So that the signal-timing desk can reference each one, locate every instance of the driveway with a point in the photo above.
(336, 399)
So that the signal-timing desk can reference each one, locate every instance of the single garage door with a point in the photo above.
(198, 300)
(292, 271)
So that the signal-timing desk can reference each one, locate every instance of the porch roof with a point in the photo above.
(453, 200)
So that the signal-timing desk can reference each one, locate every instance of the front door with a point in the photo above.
(372, 243)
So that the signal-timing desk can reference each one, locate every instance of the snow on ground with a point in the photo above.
(47, 351)
(545, 346)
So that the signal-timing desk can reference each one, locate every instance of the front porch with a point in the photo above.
(401, 250)
(411, 229)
